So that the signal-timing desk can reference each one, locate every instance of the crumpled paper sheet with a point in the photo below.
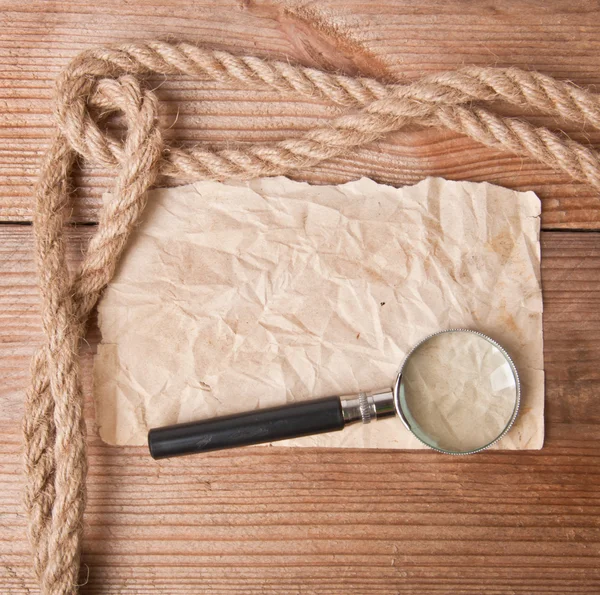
(243, 295)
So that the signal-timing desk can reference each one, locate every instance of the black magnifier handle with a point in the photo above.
(269, 425)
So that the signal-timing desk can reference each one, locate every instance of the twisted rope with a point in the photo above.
(107, 80)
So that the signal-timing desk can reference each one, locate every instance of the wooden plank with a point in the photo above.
(303, 521)
(396, 41)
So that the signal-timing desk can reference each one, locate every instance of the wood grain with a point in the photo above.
(390, 40)
(307, 521)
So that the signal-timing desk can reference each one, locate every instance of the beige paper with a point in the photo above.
(237, 296)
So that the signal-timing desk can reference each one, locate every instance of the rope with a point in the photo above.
(107, 80)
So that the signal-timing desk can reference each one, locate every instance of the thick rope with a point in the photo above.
(106, 80)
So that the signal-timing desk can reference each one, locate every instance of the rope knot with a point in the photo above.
(83, 103)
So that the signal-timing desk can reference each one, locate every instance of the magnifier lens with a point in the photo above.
(458, 391)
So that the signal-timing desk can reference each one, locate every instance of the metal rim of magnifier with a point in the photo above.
(511, 421)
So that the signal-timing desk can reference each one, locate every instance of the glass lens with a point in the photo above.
(458, 391)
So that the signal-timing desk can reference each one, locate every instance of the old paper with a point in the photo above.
(243, 295)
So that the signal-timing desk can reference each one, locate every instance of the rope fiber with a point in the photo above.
(107, 80)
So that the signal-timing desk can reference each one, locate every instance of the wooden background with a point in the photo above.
(298, 522)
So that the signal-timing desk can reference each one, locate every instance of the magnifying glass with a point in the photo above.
(457, 391)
